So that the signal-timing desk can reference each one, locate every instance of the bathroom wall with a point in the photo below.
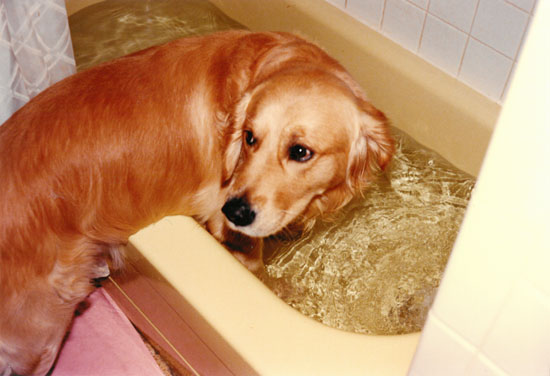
(492, 312)
(476, 41)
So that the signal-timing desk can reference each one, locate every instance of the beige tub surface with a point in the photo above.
(243, 314)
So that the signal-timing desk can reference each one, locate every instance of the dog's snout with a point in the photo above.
(238, 211)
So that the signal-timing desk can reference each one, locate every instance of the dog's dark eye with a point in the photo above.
(249, 138)
(299, 153)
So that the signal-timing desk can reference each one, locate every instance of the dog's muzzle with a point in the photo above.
(238, 211)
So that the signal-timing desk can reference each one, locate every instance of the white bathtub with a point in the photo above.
(205, 310)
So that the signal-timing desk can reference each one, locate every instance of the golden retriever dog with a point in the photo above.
(246, 132)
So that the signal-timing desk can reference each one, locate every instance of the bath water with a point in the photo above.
(376, 266)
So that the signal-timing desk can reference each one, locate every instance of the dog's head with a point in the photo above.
(303, 143)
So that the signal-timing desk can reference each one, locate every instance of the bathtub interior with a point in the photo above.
(375, 266)
(438, 111)
(106, 30)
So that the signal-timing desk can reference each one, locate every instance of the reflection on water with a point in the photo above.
(106, 30)
(376, 267)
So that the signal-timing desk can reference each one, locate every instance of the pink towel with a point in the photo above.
(104, 342)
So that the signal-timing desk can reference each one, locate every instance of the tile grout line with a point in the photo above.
(382, 16)
(475, 351)
(469, 38)
(519, 8)
(460, 65)
(423, 28)
(479, 353)
(517, 55)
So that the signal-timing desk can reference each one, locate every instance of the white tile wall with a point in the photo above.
(421, 3)
(526, 5)
(338, 3)
(459, 13)
(442, 45)
(403, 23)
(369, 11)
(449, 360)
(485, 69)
(476, 41)
(492, 312)
(524, 306)
(500, 26)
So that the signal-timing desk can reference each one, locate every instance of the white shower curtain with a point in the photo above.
(35, 50)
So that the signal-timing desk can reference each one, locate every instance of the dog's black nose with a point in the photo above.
(238, 211)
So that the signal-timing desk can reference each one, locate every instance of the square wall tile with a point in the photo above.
(368, 11)
(482, 269)
(421, 3)
(526, 5)
(442, 45)
(519, 341)
(481, 366)
(441, 352)
(338, 3)
(403, 23)
(500, 25)
(467, 313)
(459, 13)
(485, 69)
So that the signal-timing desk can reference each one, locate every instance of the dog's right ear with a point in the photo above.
(233, 139)
(372, 148)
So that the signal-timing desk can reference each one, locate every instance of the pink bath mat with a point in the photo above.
(102, 341)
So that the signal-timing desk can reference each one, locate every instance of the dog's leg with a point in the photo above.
(5, 370)
(49, 307)
(112, 259)
(249, 251)
(32, 335)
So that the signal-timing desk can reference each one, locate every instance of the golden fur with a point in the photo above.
(264, 124)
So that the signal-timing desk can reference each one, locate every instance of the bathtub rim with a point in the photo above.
(233, 329)
(433, 107)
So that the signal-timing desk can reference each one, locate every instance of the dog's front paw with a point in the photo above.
(249, 251)
(101, 272)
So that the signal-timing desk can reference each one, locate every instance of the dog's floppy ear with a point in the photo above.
(234, 137)
(373, 146)
(371, 149)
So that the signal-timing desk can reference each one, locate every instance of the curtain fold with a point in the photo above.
(35, 50)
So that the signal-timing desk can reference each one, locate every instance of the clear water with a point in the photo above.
(106, 30)
(374, 268)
